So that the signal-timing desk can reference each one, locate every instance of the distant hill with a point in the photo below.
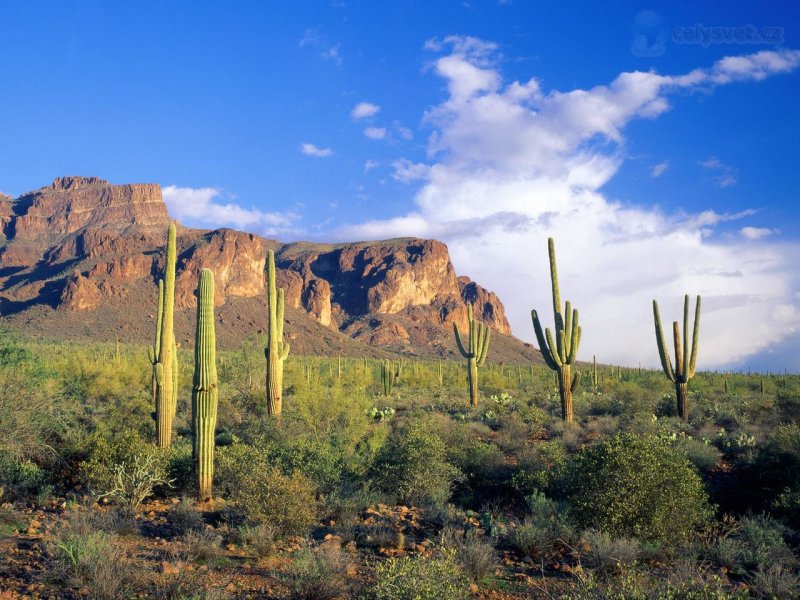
(80, 257)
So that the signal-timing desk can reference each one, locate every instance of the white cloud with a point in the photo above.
(403, 132)
(756, 233)
(726, 175)
(512, 164)
(314, 39)
(407, 171)
(364, 110)
(371, 164)
(659, 169)
(312, 150)
(202, 206)
(375, 133)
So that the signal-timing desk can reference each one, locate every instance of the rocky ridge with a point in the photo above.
(82, 244)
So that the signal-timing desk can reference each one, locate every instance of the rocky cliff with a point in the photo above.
(82, 245)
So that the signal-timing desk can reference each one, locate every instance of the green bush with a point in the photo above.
(413, 465)
(263, 493)
(22, 479)
(540, 467)
(420, 578)
(633, 486)
(702, 455)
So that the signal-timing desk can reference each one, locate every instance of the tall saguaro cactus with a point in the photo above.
(204, 386)
(277, 350)
(165, 368)
(560, 353)
(685, 361)
(390, 373)
(154, 350)
(475, 352)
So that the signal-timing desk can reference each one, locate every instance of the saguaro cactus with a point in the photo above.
(277, 350)
(204, 386)
(560, 353)
(154, 350)
(685, 362)
(390, 373)
(165, 368)
(475, 352)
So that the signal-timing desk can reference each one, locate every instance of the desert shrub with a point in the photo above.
(180, 469)
(185, 516)
(702, 455)
(320, 461)
(92, 561)
(22, 479)
(774, 581)
(258, 538)
(319, 573)
(265, 495)
(788, 405)
(420, 578)
(132, 483)
(635, 486)
(474, 551)
(757, 543)
(542, 530)
(413, 465)
(609, 554)
(202, 546)
(11, 521)
(540, 467)
(123, 460)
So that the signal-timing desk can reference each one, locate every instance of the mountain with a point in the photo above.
(79, 259)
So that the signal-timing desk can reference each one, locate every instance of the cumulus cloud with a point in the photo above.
(312, 150)
(512, 164)
(407, 171)
(756, 233)
(659, 169)
(312, 38)
(375, 133)
(371, 164)
(725, 174)
(205, 207)
(364, 110)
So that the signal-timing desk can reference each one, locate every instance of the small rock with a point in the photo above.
(473, 588)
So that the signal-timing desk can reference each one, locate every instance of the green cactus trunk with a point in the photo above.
(165, 369)
(565, 381)
(560, 352)
(475, 352)
(472, 381)
(685, 361)
(277, 350)
(682, 395)
(204, 387)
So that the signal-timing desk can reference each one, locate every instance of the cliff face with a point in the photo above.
(82, 242)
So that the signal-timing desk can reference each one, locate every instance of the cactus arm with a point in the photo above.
(540, 338)
(279, 314)
(567, 329)
(576, 378)
(485, 347)
(553, 347)
(574, 336)
(663, 352)
(284, 352)
(695, 339)
(459, 343)
(685, 369)
(551, 249)
(680, 367)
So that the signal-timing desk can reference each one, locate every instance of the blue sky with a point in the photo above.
(246, 113)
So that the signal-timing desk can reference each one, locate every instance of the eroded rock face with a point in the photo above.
(114, 236)
(80, 294)
(70, 204)
(237, 259)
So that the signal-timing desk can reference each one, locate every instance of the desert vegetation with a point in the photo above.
(247, 472)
